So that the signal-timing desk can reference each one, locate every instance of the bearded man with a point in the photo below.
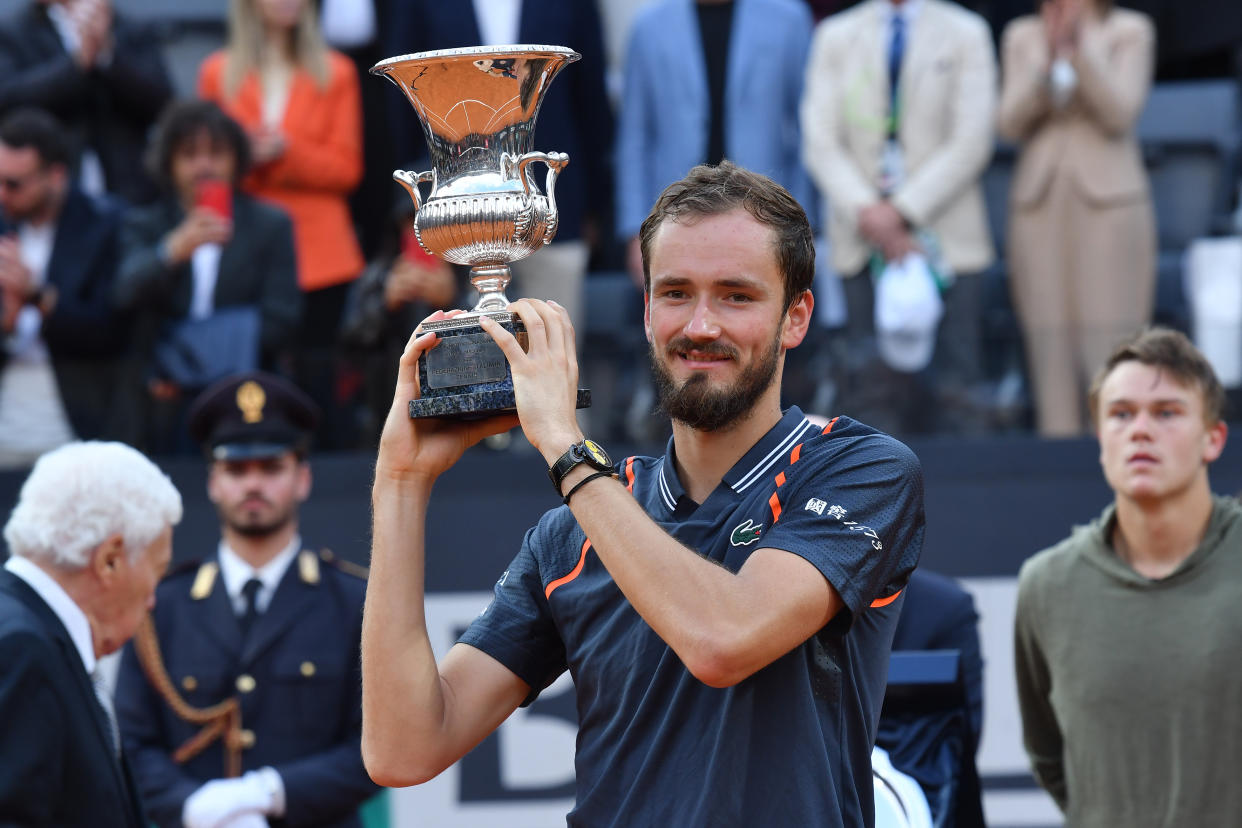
(264, 622)
(726, 610)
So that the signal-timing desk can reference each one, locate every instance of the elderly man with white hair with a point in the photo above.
(89, 539)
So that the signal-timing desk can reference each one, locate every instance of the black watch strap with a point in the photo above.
(588, 452)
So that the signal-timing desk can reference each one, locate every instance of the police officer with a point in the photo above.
(240, 703)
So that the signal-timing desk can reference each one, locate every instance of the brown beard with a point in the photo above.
(702, 407)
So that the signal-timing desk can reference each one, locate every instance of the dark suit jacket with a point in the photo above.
(305, 706)
(575, 116)
(257, 267)
(940, 615)
(84, 336)
(108, 108)
(937, 747)
(57, 768)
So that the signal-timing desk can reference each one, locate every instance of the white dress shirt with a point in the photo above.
(235, 572)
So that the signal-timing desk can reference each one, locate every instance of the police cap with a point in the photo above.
(252, 415)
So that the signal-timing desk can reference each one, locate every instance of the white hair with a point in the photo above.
(81, 494)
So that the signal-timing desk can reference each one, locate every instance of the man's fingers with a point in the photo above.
(568, 341)
(407, 367)
(508, 344)
(536, 325)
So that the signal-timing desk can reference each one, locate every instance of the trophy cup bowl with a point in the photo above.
(484, 209)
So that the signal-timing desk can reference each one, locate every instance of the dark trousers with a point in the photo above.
(937, 398)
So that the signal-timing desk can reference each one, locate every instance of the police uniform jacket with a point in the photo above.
(296, 674)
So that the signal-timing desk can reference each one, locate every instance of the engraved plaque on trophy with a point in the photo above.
(484, 209)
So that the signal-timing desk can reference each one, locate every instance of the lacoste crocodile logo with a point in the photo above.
(744, 534)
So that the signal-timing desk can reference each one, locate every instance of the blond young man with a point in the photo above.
(1126, 631)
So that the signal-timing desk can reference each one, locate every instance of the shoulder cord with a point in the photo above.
(221, 721)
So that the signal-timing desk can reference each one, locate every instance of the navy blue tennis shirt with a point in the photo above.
(791, 744)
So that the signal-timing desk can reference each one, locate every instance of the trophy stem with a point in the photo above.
(490, 281)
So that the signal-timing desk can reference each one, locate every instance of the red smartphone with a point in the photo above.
(215, 195)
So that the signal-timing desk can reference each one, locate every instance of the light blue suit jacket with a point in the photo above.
(663, 123)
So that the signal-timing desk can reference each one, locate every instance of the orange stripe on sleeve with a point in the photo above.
(577, 570)
(797, 452)
(831, 423)
(884, 602)
(775, 503)
(629, 474)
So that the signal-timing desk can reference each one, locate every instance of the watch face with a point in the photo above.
(597, 454)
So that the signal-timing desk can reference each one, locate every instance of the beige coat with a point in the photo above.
(1081, 247)
(948, 90)
(1092, 137)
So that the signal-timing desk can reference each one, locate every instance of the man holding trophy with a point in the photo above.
(725, 610)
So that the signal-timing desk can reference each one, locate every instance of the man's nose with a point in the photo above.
(702, 324)
(1140, 428)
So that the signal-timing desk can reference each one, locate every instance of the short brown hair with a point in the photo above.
(709, 191)
(1171, 351)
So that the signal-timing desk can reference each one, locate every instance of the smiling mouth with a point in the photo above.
(696, 358)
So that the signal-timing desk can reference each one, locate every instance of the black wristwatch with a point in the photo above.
(588, 451)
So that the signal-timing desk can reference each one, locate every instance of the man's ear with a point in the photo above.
(1214, 441)
(647, 315)
(305, 480)
(798, 320)
(108, 559)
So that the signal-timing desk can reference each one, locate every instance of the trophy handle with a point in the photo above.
(556, 162)
(410, 182)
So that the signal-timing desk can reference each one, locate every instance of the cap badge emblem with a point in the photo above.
(250, 399)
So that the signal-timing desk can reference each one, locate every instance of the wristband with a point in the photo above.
(582, 483)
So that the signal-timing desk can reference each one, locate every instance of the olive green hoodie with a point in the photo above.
(1131, 688)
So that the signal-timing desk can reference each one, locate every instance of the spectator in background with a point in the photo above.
(575, 118)
(90, 537)
(58, 259)
(190, 258)
(353, 27)
(897, 125)
(937, 746)
(707, 80)
(1126, 632)
(101, 75)
(261, 620)
(298, 101)
(400, 288)
(1082, 236)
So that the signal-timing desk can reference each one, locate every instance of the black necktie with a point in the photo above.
(251, 593)
(896, 53)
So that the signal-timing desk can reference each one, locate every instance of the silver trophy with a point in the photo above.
(478, 108)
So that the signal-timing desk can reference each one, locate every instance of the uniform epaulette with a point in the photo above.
(204, 580)
(342, 565)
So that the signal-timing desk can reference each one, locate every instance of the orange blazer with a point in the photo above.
(321, 165)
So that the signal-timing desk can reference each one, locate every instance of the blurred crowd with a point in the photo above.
(156, 239)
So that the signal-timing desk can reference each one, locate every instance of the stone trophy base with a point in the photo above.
(466, 376)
